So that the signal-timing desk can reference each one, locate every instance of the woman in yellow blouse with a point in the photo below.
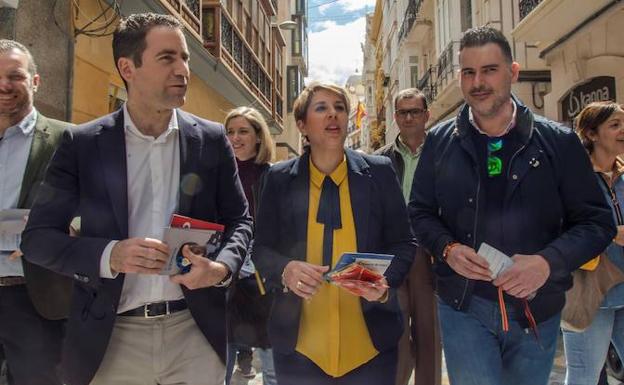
(312, 209)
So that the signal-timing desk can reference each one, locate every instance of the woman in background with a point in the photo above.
(248, 308)
(601, 128)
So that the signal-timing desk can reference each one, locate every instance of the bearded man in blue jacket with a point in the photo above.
(500, 175)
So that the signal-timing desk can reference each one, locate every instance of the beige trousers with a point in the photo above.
(164, 351)
(420, 349)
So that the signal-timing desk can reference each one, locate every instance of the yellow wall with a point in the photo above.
(94, 72)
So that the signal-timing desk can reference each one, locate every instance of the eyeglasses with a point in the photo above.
(415, 112)
(494, 163)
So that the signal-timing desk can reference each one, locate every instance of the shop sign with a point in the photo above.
(593, 90)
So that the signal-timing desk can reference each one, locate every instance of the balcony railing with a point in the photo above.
(411, 15)
(189, 10)
(526, 6)
(244, 62)
(448, 63)
(193, 6)
(428, 85)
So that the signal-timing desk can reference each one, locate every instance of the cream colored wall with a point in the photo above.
(596, 50)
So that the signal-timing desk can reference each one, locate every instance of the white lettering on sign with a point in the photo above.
(578, 102)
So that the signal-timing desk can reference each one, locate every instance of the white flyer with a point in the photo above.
(12, 224)
(498, 260)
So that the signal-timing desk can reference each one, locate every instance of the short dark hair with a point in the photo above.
(129, 36)
(480, 36)
(592, 116)
(410, 93)
(7, 45)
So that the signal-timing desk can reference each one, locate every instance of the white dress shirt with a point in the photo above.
(153, 172)
(14, 150)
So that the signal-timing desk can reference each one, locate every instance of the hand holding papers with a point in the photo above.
(192, 232)
(12, 223)
(497, 260)
(359, 272)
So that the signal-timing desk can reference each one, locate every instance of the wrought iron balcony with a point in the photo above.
(244, 62)
(189, 11)
(428, 85)
(448, 62)
(411, 15)
(193, 6)
(526, 6)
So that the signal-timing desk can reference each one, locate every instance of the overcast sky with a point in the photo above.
(336, 30)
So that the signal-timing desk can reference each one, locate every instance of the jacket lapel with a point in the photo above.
(111, 142)
(299, 202)
(360, 190)
(35, 158)
(190, 152)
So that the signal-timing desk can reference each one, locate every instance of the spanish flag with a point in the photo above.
(360, 113)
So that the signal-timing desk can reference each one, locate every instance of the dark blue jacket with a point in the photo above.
(88, 175)
(381, 225)
(553, 205)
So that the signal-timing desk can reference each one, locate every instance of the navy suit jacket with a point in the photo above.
(381, 226)
(88, 176)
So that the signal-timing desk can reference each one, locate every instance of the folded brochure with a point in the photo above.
(184, 230)
(360, 268)
(497, 260)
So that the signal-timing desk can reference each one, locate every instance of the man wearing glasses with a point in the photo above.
(419, 348)
(501, 176)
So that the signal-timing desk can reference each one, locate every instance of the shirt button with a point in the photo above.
(468, 235)
(470, 200)
(514, 177)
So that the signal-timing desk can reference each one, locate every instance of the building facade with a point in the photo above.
(239, 56)
(296, 68)
(580, 43)
(418, 46)
(357, 138)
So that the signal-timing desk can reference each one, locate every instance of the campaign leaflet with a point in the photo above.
(359, 269)
(204, 236)
(497, 260)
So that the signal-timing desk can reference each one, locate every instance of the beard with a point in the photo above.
(489, 108)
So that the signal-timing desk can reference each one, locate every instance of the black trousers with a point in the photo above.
(297, 369)
(32, 344)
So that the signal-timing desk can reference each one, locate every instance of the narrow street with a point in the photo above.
(557, 375)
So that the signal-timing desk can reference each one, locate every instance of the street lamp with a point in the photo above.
(287, 25)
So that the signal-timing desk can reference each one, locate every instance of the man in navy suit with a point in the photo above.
(125, 174)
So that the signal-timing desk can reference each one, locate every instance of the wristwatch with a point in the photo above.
(225, 282)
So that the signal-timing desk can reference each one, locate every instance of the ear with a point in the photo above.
(515, 71)
(36, 81)
(301, 127)
(126, 68)
(592, 135)
(427, 116)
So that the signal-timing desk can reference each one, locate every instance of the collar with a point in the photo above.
(523, 127)
(405, 150)
(26, 126)
(616, 172)
(338, 175)
(132, 128)
(510, 125)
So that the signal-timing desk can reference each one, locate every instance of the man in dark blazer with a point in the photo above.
(125, 174)
(33, 300)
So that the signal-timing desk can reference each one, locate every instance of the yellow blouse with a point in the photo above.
(332, 329)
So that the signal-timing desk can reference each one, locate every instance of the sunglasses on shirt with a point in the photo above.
(494, 162)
